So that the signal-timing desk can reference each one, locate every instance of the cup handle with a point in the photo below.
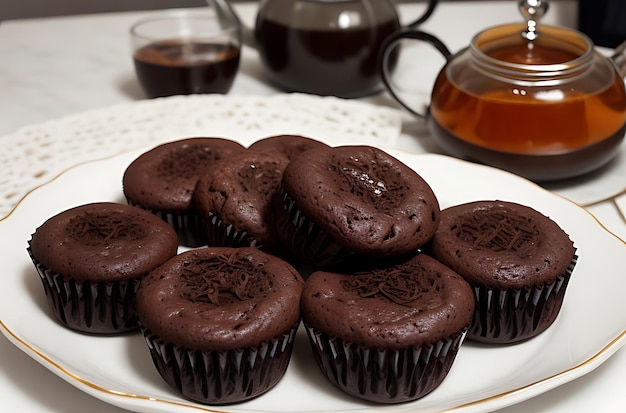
(390, 43)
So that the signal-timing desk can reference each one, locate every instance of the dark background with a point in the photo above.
(603, 20)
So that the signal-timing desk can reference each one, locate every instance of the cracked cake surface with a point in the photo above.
(164, 177)
(103, 241)
(417, 301)
(239, 193)
(363, 199)
(220, 298)
(498, 243)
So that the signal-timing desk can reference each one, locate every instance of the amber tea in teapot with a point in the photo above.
(523, 120)
(542, 104)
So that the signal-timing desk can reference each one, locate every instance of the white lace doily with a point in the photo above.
(35, 154)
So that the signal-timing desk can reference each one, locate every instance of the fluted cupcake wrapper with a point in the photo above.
(306, 240)
(97, 308)
(188, 225)
(220, 234)
(384, 376)
(222, 377)
(510, 316)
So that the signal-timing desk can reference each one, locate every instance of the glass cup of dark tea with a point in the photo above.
(182, 52)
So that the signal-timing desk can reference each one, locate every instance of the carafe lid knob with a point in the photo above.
(532, 11)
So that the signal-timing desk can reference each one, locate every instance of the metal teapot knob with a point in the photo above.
(532, 11)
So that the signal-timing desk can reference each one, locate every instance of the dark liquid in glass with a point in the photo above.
(339, 62)
(176, 68)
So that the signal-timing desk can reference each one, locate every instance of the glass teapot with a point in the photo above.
(324, 47)
(537, 100)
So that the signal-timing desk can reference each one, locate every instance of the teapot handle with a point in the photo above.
(388, 46)
(619, 58)
(226, 12)
(432, 5)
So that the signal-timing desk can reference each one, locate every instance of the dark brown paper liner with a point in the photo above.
(510, 316)
(306, 240)
(384, 376)
(222, 377)
(187, 224)
(220, 234)
(97, 308)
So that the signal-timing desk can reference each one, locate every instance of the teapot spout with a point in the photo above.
(226, 13)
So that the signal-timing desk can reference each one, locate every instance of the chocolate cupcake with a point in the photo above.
(235, 199)
(350, 201)
(220, 322)
(290, 145)
(387, 335)
(517, 260)
(162, 181)
(91, 258)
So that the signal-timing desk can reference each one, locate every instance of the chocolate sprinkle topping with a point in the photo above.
(497, 231)
(224, 279)
(97, 229)
(401, 284)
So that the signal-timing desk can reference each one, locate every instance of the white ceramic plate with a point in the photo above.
(118, 370)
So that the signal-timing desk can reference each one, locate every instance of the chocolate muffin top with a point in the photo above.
(220, 299)
(103, 241)
(497, 244)
(290, 145)
(241, 190)
(419, 301)
(164, 177)
(365, 200)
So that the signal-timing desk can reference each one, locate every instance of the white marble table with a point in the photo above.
(56, 67)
